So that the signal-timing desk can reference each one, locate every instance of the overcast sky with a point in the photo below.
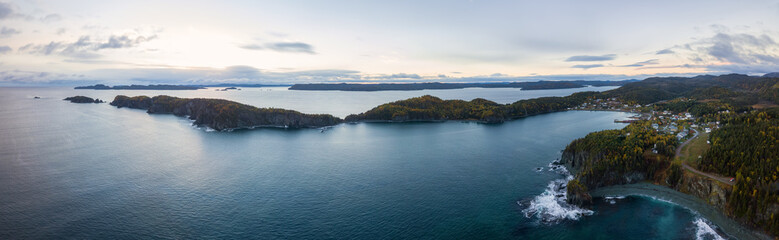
(184, 42)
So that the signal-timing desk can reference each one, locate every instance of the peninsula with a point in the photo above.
(224, 115)
(438, 85)
(740, 111)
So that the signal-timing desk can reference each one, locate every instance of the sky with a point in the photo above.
(280, 42)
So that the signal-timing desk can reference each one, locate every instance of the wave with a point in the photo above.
(551, 207)
(613, 199)
(704, 231)
(660, 199)
(556, 167)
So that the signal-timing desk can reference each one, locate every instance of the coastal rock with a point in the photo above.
(576, 161)
(713, 192)
(573, 160)
(577, 193)
(82, 99)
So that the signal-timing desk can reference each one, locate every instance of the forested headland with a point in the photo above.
(220, 114)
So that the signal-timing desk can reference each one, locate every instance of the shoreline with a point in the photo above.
(697, 205)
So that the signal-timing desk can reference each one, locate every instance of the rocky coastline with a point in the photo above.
(700, 194)
(224, 115)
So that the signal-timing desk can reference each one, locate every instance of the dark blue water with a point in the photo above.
(94, 171)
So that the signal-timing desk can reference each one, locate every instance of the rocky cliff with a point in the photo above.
(578, 161)
(222, 115)
(712, 191)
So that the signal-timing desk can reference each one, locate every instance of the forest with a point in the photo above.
(224, 115)
(747, 147)
(620, 156)
(710, 94)
(430, 108)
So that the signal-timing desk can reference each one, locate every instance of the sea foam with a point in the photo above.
(704, 231)
(551, 207)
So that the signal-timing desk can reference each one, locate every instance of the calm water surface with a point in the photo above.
(95, 171)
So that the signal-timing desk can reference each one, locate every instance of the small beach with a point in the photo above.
(726, 224)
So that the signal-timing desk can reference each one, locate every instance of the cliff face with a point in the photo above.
(578, 161)
(713, 192)
(577, 194)
(225, 115)
(717, 194)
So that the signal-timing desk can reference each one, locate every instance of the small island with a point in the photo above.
(224, 115)
(82, 99)
(228, 88)
(437, 85)
(140, 87)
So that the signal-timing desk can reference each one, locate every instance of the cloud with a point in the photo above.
(125, 41)
(297, 47)
(252, 47)
(742, 53)
(742, 49)
(587, 66)
(644, 63)
(396, 76)
(232, 74)
(5, 49)
(61, 31)
(291, 47)
(664, 51)
(5, 10)
(7, 32)
(51, 18)
(588, 58)
(85, 47)
(17, 77)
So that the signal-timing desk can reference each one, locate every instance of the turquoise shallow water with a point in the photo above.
(94, 171)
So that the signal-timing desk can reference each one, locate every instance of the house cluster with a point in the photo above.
(679, 124)
(611, 104)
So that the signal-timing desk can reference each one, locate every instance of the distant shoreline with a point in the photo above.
(169, 87)
(726, 224)
(368, 87)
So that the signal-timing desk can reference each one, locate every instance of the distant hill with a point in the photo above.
(437, 85)
(772, 75)
(738, 91)
(140, 87)
(171, 87)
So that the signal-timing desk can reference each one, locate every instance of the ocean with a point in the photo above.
(92, 171)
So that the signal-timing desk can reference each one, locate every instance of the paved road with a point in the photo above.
(725, 180)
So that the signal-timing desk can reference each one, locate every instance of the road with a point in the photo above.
(725, 180)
